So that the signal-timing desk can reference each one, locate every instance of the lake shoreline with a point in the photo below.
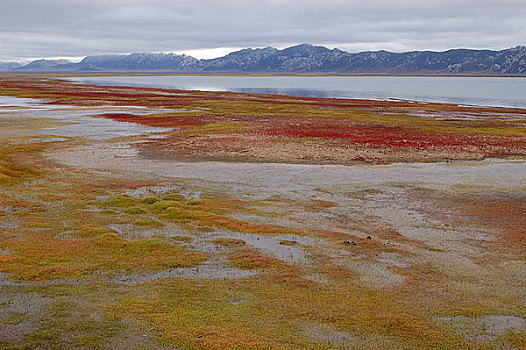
(469, 91)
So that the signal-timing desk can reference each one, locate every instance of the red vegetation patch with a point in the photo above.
(335, 134)
(348, 132)
(381, 131)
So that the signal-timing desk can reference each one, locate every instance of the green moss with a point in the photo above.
(135, 210)
(149, 223)
(173, 197)
(150, 200)
(194, 202)
(122, 201)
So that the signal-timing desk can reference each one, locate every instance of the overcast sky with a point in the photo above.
(207, 28)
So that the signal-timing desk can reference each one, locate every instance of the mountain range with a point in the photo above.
(304, 58)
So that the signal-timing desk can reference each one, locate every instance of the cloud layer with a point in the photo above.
(34, 28)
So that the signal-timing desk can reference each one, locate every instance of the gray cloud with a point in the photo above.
(34, 28)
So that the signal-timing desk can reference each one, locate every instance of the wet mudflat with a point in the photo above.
(108, 241)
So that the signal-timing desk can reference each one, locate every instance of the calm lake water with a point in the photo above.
(477, 91)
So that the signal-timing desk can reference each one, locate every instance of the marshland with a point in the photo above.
(148, 218)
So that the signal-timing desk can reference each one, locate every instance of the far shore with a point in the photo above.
(237, 74)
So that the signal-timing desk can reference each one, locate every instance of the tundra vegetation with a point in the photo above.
(147, 240)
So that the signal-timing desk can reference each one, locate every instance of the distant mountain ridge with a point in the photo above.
(4, 66)
(304, 58)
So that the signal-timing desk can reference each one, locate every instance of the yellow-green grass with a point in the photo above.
(229, 314)
(39, 257)
(12, 170)
(59, 237)
(201, 214)
(220, 128)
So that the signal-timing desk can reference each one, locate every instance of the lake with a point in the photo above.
(472, 91)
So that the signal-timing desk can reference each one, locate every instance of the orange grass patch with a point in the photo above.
(40, 257)
(249, 258)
